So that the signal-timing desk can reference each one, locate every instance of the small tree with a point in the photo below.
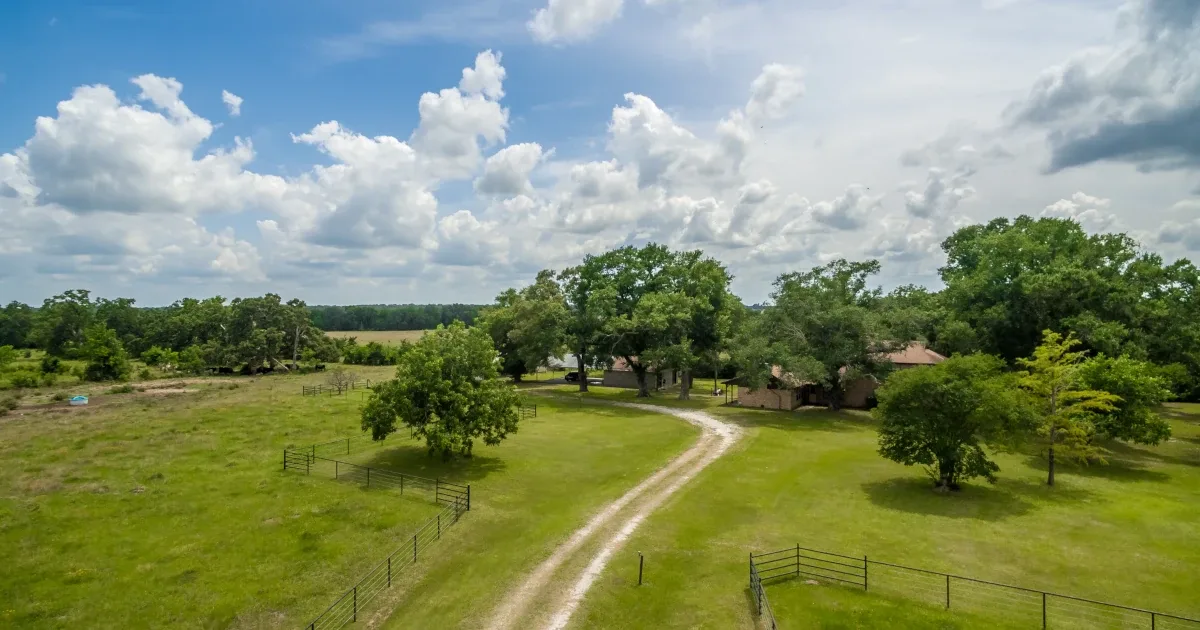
(340, 379)
(155, 355)
(447, 389)
(942, 416)
(106, 357)
(1066, 410)
(191, 360)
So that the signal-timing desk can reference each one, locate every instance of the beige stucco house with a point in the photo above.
(785, 392)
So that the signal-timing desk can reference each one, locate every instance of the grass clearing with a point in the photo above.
(386, 337)
(533, 491)
(1127, 533)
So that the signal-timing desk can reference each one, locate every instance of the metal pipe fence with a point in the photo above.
(527, 411)
(1017, 603)
(317, 390)
(455, 499)
(347, 607)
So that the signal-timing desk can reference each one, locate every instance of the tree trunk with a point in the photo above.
(296, 347)
(947, 479)
(643, 386)
(1050, 478)
(582, 370)
(835, 395)
(1053, 435)
(685, 384)
(517, 377)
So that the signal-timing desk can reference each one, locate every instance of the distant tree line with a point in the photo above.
(392, 316)
(190, 335)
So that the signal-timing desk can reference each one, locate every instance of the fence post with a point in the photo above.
(285, 459)
(335, 469)
(468, 497)
(389, 572)
(797, 559)
(308, 465)
(347, 446)
(1043, 611)
(641, 563)
(1152, 620)
(437, 489)
(355, 603)
(414, 547)
(864, 573)
(401, 484)
(948, 594)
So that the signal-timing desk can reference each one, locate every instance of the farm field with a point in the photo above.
(387, 337)
(170, 509)
(1125, 533)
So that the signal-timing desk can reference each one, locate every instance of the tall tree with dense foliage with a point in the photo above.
(590, 299)
(529, 327)
(824, 326)
(1065, 408)
(1134, 418)
(448, 391)
(942, 417)
(61, 322)
(1009, 280)
(709, 321)
(106, 357)
(16, 324)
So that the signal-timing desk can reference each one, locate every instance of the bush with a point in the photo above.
(77, 372)
(28, 354)
(49, 379)
(24, 379)
(121, 389)
(106, 357)
(145, 374)
(8, 403)
(59, 396)
(51, 365)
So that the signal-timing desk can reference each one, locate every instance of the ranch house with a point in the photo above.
(621, 375)
(786, 392)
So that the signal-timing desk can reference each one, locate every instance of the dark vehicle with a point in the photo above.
(571, 377)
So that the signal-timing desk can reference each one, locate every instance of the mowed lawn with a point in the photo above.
(528, 495)
(1127, 532)
(387, 337)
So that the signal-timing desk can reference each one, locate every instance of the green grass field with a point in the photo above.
(387, 337)
(154, 510)
(149, 510)
(1128, 532)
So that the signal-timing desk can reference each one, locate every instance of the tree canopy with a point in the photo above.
(448, 391)
(942, 416)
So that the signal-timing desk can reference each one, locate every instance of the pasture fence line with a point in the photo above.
(527, 411)
(330, 390)
(454, 498)
(347, 607)
(957, 592)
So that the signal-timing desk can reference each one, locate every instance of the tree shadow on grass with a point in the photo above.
(1134, 454)
(802, 419)
(415, 460)
(1123, 465)
(979, 501)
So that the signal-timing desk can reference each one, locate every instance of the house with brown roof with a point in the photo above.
(621, 375)
(783, 391)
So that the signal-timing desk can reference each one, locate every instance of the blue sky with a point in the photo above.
(773, 134)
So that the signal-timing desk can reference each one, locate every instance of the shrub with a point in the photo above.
(121, 389)
(145, 374)
(28, 354)
(24, 379)
(49, 379)
(77, 372)
(59, 396)
(50, 364)
(106, 357)
(7, 404)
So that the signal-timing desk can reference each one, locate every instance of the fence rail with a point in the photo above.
(527, 411)
(332, 390)
(352, 602)
(960, 593)
(437, 490)
(454, 497)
